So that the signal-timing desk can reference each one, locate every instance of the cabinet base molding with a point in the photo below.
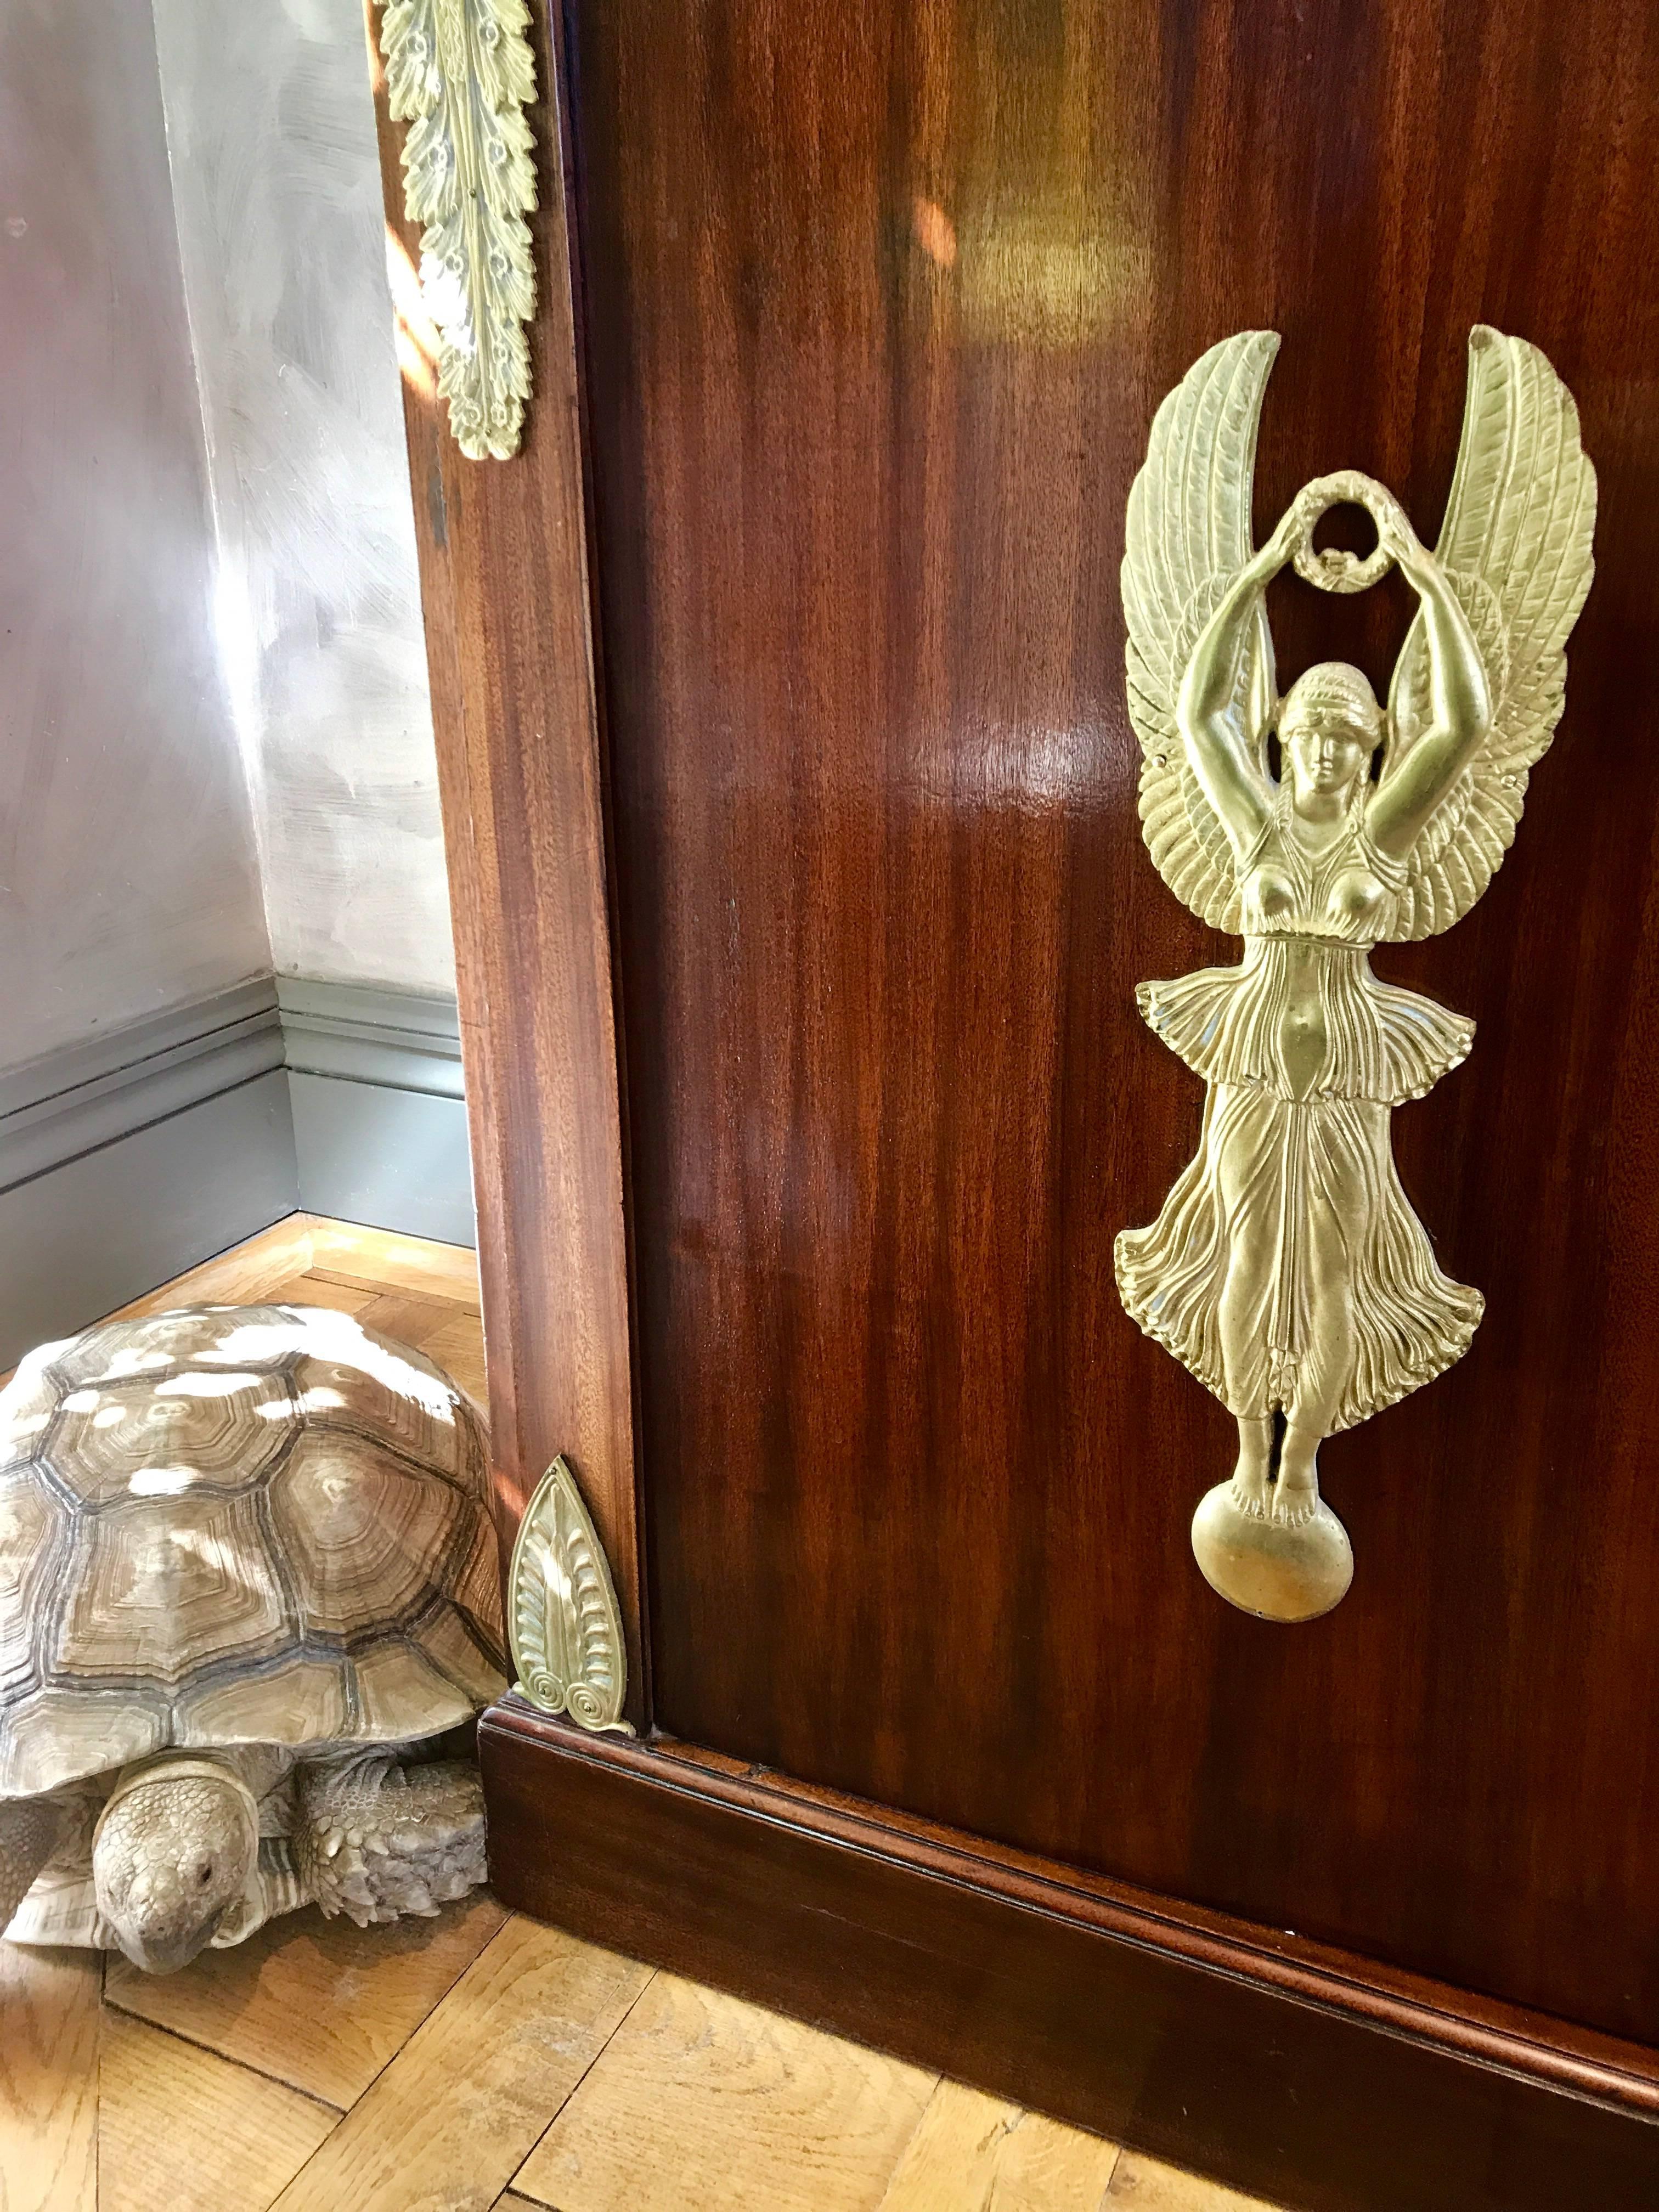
(1281, 2068)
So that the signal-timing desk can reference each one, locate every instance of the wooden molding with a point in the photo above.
(516, 717)
(1281, 2068)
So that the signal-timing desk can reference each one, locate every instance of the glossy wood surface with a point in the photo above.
(880, 302)
(1312, 2082)
(504, 586)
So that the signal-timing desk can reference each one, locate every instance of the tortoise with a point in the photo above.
(247, 1580)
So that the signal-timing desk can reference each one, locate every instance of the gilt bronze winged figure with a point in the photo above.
(1287, 1270)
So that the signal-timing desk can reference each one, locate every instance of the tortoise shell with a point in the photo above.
(237, 1524)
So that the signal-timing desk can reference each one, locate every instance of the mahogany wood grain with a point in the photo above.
(1296, 2076)
(880, 302)
(503, 559)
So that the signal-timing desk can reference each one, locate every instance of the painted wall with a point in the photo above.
(277, 185)
(127, 866)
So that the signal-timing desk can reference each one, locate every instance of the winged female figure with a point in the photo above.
(1287, 1270)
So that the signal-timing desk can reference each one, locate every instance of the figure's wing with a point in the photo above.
(1188, 535)
(1516, 547)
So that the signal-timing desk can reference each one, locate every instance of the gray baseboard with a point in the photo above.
(395, 1160)
(396, 1039)
(85, 1236)
(128, 1158)
(380, 1127)
(54, 1109)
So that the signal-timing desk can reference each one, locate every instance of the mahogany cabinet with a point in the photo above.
(791, 800)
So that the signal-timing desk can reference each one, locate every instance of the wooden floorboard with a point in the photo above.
(451, 2117)
(49, 2024)
(700, 2099)
(319, 2004)
(458, 1347)
(309, 1290)
(182, 2129)
(1143, 2185)
(477, 2060)
(383, 1261)
(971, 2149)
(413, 1316)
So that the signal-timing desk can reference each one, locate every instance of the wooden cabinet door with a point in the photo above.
(803, 901)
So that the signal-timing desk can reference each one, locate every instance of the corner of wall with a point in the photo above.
(126, 1159)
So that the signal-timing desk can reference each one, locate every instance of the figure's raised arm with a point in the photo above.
(1460, 701)
(1207, 708)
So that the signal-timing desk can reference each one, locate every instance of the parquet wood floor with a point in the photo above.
(479, 2059)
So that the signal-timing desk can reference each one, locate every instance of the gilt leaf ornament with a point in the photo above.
(562, 1618)
(459, 73)
(1287, 1270)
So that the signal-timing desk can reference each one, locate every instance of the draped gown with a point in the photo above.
(1300, 1165)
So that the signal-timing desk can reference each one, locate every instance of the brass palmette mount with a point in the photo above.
(563, 1624)
(1287, 1270)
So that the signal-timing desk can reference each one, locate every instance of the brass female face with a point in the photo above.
(1326, 750)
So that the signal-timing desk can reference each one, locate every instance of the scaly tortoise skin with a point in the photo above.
(258, 1536)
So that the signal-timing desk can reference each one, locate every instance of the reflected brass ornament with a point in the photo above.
(1287, 1269)
(460, 72)
(562, 1620)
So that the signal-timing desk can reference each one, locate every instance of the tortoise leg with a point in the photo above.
(376, 1840)
(29, 1828)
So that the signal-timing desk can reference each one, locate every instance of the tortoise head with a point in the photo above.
(175, 1850)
